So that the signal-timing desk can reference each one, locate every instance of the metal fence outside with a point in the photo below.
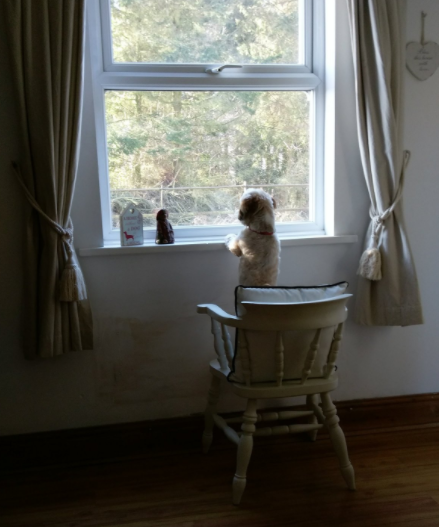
(209, 205)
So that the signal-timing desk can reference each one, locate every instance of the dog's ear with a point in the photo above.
(249, 206)
(274, 202)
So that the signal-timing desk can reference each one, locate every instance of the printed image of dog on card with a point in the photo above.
(257, 245)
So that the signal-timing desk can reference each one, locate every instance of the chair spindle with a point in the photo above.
(279, 358)
(227, 344)
(218, 344)
(245, 357)
(333, 351)
(310, 356)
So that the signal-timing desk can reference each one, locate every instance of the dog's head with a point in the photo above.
(256, 204)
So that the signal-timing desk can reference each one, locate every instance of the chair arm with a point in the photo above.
(218, 314)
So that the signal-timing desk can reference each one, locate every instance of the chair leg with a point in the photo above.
(338, 440)
(245, 447)
(316, 408)
(311, 403)
(212, 401)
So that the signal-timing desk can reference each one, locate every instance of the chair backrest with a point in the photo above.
(279, 340)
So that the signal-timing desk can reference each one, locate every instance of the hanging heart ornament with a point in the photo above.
(422, 59)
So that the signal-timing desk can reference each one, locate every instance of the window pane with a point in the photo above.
(194, 153)
(206, 31)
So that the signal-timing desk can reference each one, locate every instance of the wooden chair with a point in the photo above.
(284, 333)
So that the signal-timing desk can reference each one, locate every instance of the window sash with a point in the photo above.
(305, 55)
(307, 77)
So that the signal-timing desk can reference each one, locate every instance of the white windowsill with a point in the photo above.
(187, 245)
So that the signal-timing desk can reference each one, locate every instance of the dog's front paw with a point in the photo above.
(230, 239)
(232, 244)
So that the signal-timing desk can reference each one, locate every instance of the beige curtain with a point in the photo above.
(390, 294)
(46, 39)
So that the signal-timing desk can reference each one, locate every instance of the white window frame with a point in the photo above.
(308, 76)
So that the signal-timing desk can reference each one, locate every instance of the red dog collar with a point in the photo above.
(265, 233)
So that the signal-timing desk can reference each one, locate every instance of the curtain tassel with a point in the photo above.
(370, 261)
(370, 264)
(72, 285)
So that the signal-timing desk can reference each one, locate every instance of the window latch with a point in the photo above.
(218, 69)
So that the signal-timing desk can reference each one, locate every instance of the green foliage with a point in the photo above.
(203, 31)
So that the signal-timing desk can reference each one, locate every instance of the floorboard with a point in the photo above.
(291, 482)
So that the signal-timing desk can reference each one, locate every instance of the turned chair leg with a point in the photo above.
(245, 447)
(212, 401)
(311, 404)
(338, 440)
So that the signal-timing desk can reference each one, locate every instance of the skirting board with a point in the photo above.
(111, 443)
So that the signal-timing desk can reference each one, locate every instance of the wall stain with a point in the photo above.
(144, 361)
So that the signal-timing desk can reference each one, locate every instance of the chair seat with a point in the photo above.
(267, 390)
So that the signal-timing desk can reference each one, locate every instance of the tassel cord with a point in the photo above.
(71, 273)
(370, 262)
(379, 219)
(56, 226)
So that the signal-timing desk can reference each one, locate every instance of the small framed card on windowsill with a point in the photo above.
(131, 227)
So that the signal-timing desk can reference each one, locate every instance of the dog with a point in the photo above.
(128, 236)
(257, 245)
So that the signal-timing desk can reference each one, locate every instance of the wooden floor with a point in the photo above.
(290, 482)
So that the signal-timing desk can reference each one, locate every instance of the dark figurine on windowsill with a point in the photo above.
(165, 232)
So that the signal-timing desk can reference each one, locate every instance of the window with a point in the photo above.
(197, 100)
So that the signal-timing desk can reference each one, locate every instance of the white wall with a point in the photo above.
(152, 349)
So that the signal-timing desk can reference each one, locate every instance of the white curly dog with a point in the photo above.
(257, 245)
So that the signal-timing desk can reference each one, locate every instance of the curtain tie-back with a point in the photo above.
(370, 261)
(72, 285)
